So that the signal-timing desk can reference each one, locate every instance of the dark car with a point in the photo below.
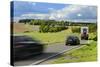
(72, 40)
(84, 35)
(24, 46)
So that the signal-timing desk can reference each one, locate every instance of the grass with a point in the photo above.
(87, 53)
(49, 37)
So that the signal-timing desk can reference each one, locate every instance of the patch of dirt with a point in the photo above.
(21, 27)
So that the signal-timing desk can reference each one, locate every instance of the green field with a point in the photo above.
(49, 37)
(87, 53)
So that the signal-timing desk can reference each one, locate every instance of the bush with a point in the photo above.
(95, 38)
(75, 29)
(92, 28)
(31, 23)
(47, 28)
(26, 31)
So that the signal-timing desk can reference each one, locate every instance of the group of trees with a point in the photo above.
(52, 26)
(47, 25)
(49, 28)
(92, 28)
(25, 21)
(56, 26)
(39, 22)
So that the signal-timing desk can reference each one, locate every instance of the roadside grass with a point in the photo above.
(85, 54)
(49, 38)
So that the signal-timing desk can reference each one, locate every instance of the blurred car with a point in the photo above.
(84, 34)
(72, 40)
(25, 46)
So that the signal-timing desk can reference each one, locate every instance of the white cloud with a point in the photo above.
(33, 3)
(65, 12)
(35, 16)
(51, 8)
(61, 14)
(79, 15)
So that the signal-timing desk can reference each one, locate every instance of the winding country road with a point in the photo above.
(50, 51)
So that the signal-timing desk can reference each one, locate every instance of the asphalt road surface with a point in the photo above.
(49, 52)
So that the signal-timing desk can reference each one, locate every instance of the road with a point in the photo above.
(50, 51)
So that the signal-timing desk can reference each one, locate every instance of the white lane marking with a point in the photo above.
(40, 61)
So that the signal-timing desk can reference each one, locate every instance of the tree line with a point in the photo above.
(47, 25)
(56, 26)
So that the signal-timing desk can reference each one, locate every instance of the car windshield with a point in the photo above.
(72, 37)
(85, 30)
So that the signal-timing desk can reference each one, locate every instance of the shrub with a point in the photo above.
(26, 31)
(75, 29)
(95, 38)
(48, 28)
(31, 23)
(92, 28)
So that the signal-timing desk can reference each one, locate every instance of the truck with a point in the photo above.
(84, 33)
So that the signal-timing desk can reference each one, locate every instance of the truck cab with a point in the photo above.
(84, 33)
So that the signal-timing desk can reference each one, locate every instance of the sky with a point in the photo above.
(53, 11)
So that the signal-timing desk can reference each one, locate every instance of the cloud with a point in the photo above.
(79, 15)
(68, 12)
(33, 3)
(51, 8)
(35, 16)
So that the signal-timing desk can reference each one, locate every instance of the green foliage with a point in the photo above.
(93, 36)
(92, 28)
(76, 29)
(52, 26)
(48, 28)
(31, 23)
(24, 21)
